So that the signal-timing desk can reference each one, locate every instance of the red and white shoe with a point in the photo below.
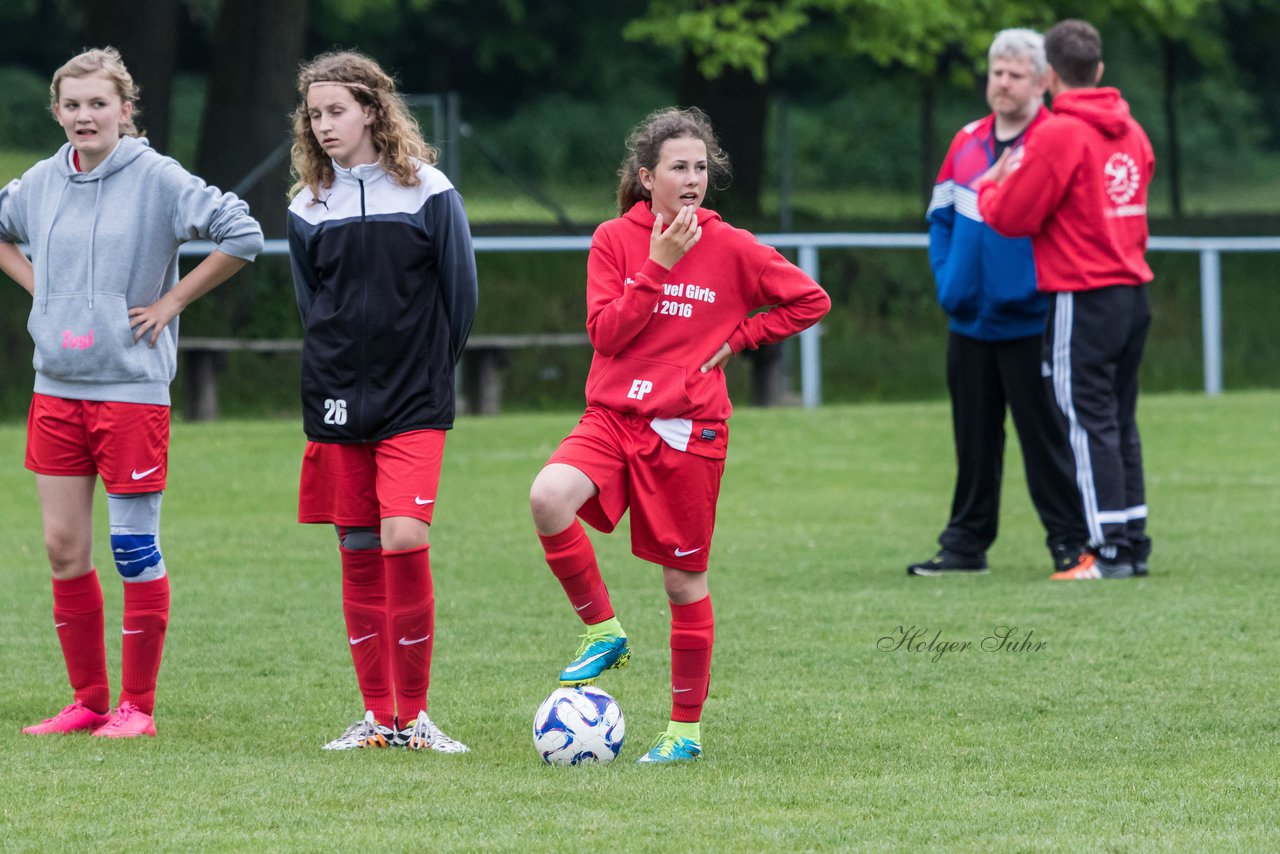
(128, 721)
(1095, 568)
(73, 718)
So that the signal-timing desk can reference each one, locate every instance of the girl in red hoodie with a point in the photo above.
(671, 291)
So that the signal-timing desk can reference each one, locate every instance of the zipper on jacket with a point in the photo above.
(364, 314)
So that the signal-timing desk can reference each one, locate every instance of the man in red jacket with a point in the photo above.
(1078, 189)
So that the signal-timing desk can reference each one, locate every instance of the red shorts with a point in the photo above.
(671, 494)
(359, 485)
(125, 444)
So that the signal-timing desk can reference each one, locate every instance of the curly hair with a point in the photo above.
(396, 135)
(107, 62)
(644, 146)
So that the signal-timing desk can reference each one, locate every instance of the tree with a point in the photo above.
(146, 34)
(934, 41)
(257, 49)
(728, 46)
(1252, 30)
(39, 34)
(1184, 32)
(731, 44)
(245, 132)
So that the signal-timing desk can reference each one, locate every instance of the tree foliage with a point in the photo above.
(733, 34)
(925, 38)
(743, 34)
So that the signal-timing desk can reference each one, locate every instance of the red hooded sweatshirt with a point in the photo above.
(653, 329)
(1080, 194)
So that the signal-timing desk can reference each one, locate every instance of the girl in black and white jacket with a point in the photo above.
(386, 282)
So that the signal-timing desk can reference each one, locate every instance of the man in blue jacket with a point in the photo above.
(987, 286)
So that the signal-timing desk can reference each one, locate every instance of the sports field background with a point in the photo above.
(1146, 722)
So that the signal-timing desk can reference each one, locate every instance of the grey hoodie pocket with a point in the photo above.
(78, 343)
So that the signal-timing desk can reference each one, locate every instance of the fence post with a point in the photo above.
(810, 352)
(1211, 319)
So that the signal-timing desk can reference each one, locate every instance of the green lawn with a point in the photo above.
(1145, 722)
(14, 163)
(502, 203)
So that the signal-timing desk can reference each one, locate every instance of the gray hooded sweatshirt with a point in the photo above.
(103, 242)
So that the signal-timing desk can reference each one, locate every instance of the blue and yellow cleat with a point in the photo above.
(670, 748)
(596, 654)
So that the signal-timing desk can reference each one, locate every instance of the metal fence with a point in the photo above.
(808, 247)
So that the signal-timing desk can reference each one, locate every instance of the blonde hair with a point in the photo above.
(644, 147)
(396, 136)
(107, 62)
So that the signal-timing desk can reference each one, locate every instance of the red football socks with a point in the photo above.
(692, 636)
(412, 609)
(573, 561)
(77, 617)
(146, 617)
(364, 605)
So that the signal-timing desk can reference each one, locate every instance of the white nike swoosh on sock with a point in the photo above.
(354, 641)
(407, 642)
(131, 631)
(580, 607)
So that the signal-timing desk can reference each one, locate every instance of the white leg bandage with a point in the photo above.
(135, 535)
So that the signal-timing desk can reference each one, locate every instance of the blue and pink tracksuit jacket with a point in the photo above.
(986, 282)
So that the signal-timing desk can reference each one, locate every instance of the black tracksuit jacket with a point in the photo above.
(385, 277)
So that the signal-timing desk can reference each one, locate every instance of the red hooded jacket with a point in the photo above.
(1080, 194)
(653, 329)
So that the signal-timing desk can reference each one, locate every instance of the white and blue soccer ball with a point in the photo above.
(576, 726)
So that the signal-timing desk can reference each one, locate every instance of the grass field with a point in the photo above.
(500, 202)
(1145, 722)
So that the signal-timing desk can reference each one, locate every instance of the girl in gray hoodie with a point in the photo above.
(103, 219)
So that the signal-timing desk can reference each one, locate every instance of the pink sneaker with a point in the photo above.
(73, 718)
(128, 721)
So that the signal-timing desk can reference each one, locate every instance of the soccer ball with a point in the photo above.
(575, 726)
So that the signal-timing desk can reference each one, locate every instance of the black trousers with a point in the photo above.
(985, 378)
(1093, 343)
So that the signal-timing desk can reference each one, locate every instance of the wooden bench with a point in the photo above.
(204, 358)
(483, 364)
(487, 356)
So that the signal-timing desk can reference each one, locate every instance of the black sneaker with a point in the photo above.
(1141, 548)
(945, 562)
(1068, 557)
